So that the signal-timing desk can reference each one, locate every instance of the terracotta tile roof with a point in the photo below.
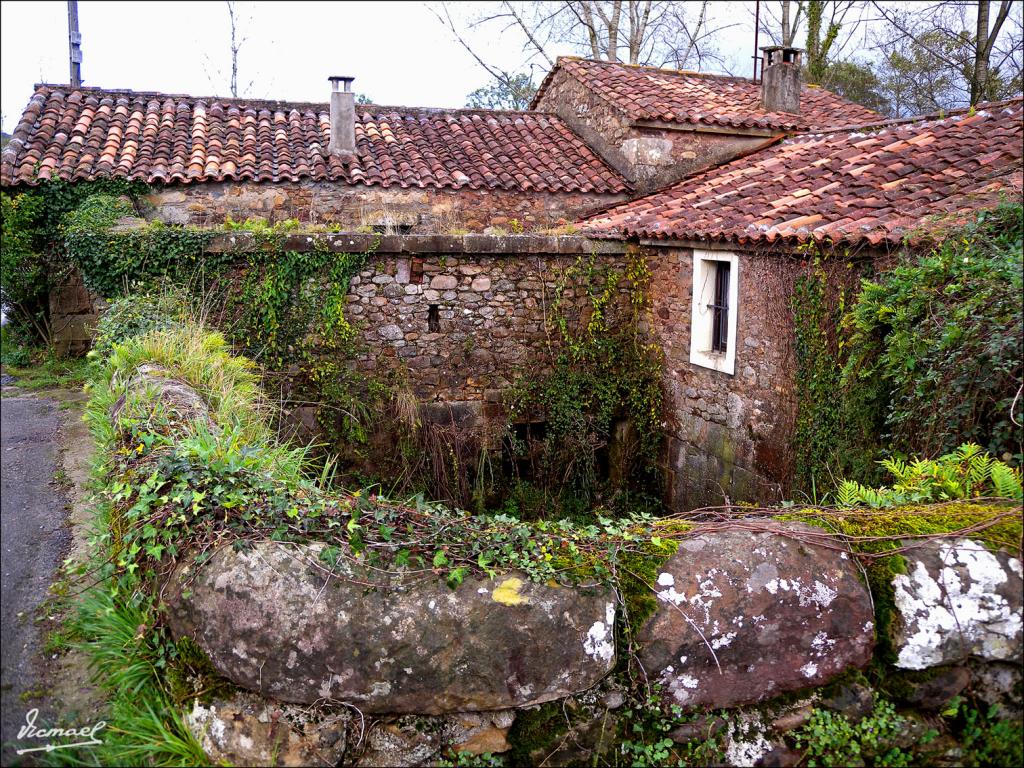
(161, 138)
(872, 185)
(649, 93)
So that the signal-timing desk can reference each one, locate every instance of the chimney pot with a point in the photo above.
(781, 78)
(343, 117)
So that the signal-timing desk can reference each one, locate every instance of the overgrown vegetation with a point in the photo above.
(32, 255)
(596, 418)
(172, 482)
(269, 302)
(928, 355)
(830, 739)
(601, 403)
(176, 484)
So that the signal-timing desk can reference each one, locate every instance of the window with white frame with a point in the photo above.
(716, 277)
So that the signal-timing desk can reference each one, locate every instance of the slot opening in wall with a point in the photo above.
(391, 229)
(433, 318)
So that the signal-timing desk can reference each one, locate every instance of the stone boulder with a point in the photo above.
(249, 730)
(178, 400)
(275, 619)
(957, 599)
(418, 740)
(745, 616)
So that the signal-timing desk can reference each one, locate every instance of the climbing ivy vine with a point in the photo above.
(605, 377)
(32, 256)
(926, 356)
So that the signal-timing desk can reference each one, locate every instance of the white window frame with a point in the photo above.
(704, 266)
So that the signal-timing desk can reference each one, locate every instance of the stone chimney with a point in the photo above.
(780, 78)
(343, 117)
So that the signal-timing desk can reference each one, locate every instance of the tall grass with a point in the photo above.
(127, 656)
(115, 621)
(229, 384)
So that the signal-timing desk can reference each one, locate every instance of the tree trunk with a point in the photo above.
(979, 82)
(588, 21)
(787, 33)
(613, 31)
(815, 65)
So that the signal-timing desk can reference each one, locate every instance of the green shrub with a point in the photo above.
(927, 356)
(23, 272)
(32, 246)
(936, 344)
(13, 352)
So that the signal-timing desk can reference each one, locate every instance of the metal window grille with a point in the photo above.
(720, 309)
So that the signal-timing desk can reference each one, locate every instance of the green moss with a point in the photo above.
(942, 519)
(896, 523)
(900, 684)
(191, 675)
(638, 571)
(536, 732)
(880, 575)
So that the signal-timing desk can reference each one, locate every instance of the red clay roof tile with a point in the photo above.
(88, 133)
(649, 93)
(902, 177)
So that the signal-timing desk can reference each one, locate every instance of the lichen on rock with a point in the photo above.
(273, 619)
(957, 599)
(745, 616)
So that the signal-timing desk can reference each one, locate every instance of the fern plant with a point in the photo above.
(966, 473)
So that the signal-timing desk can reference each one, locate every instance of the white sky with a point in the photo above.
(399, 53)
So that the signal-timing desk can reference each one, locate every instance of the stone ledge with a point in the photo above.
(347, 242)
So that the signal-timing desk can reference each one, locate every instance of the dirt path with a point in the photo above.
(44, 451)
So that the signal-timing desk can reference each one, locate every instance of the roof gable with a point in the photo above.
(86, 133)
(650, 93)
(874, 185)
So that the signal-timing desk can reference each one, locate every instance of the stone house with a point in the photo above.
(754, 172)
(735, 236)
(401, 169)
(657, 125)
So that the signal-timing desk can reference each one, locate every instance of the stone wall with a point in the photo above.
(730, 435)
(461, 325)
(74, 312)
(649, 155)
(355, 206)
(462, 316)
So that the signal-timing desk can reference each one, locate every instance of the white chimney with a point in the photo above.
(343, 117)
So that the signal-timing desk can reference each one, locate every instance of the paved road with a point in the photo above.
(34, 539)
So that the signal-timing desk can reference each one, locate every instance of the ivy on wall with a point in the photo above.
(288, 312)
(936, 345)
(602, 401)
(283, 308)
(927, 356)
(817, 375)
(113, 262)
(32, 257)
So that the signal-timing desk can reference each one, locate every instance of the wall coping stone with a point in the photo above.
(342, 242)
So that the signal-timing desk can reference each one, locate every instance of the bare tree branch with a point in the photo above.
(529, 34)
